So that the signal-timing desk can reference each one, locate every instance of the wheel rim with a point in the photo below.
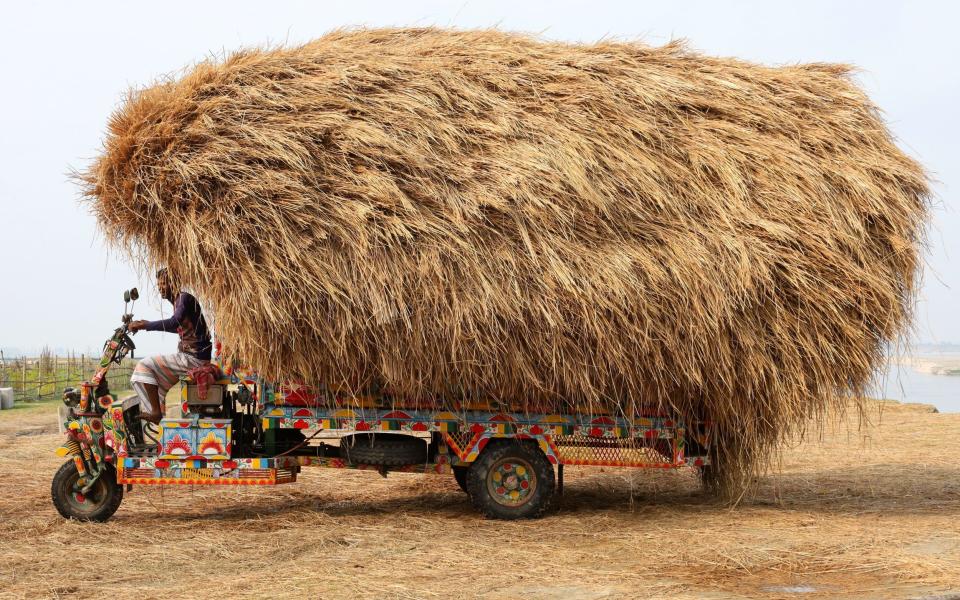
(82, 504)
(511, 482)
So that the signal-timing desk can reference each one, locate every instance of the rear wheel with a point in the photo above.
(96, 504)
(511, 480)
(460, 474)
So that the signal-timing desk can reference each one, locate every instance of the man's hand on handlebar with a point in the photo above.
(136, 325)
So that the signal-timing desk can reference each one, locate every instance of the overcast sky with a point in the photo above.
(65, 66)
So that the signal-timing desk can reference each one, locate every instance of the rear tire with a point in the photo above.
(98, 504)
(511, 480)
(383, 449)
(460, 474)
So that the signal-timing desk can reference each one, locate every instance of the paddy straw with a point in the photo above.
(590, 227)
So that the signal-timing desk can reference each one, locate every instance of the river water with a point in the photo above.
(905, 384)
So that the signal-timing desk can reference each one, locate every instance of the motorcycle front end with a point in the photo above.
(85, 487)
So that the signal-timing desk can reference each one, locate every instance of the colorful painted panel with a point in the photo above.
(195, 438)
(389, 419)
(245, 471)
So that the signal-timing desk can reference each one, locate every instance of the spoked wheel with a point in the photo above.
(511, 480)
(460, 474)
(97, 504)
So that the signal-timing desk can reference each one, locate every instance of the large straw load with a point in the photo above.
(544, 223)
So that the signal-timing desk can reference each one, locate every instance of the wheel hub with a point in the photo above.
(511, 482)
(89, 501)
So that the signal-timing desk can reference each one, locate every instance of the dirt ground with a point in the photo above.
(857, 514)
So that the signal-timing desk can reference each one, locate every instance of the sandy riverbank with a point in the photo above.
(948, 365)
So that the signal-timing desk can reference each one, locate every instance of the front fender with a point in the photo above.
(72, 445)
(88, 463)
(69, 448)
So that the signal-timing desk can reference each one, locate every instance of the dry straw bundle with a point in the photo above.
(576, 225)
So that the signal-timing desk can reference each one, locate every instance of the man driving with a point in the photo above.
(153, 377)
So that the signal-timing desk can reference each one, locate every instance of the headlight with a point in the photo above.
(71, 397)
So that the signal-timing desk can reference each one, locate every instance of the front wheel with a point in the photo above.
(97, 504)
(511, 480)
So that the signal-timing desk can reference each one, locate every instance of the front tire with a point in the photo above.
(511, 480)
(98, 504)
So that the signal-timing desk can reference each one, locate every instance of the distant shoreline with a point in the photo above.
(933, 364)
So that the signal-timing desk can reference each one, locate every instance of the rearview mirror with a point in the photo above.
(134, 294)
(126, 296)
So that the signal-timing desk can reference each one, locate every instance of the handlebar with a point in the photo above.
(122, 336)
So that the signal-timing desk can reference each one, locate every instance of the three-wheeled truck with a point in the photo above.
(242, 430)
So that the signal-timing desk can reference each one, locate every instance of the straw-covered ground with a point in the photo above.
(843, 518)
